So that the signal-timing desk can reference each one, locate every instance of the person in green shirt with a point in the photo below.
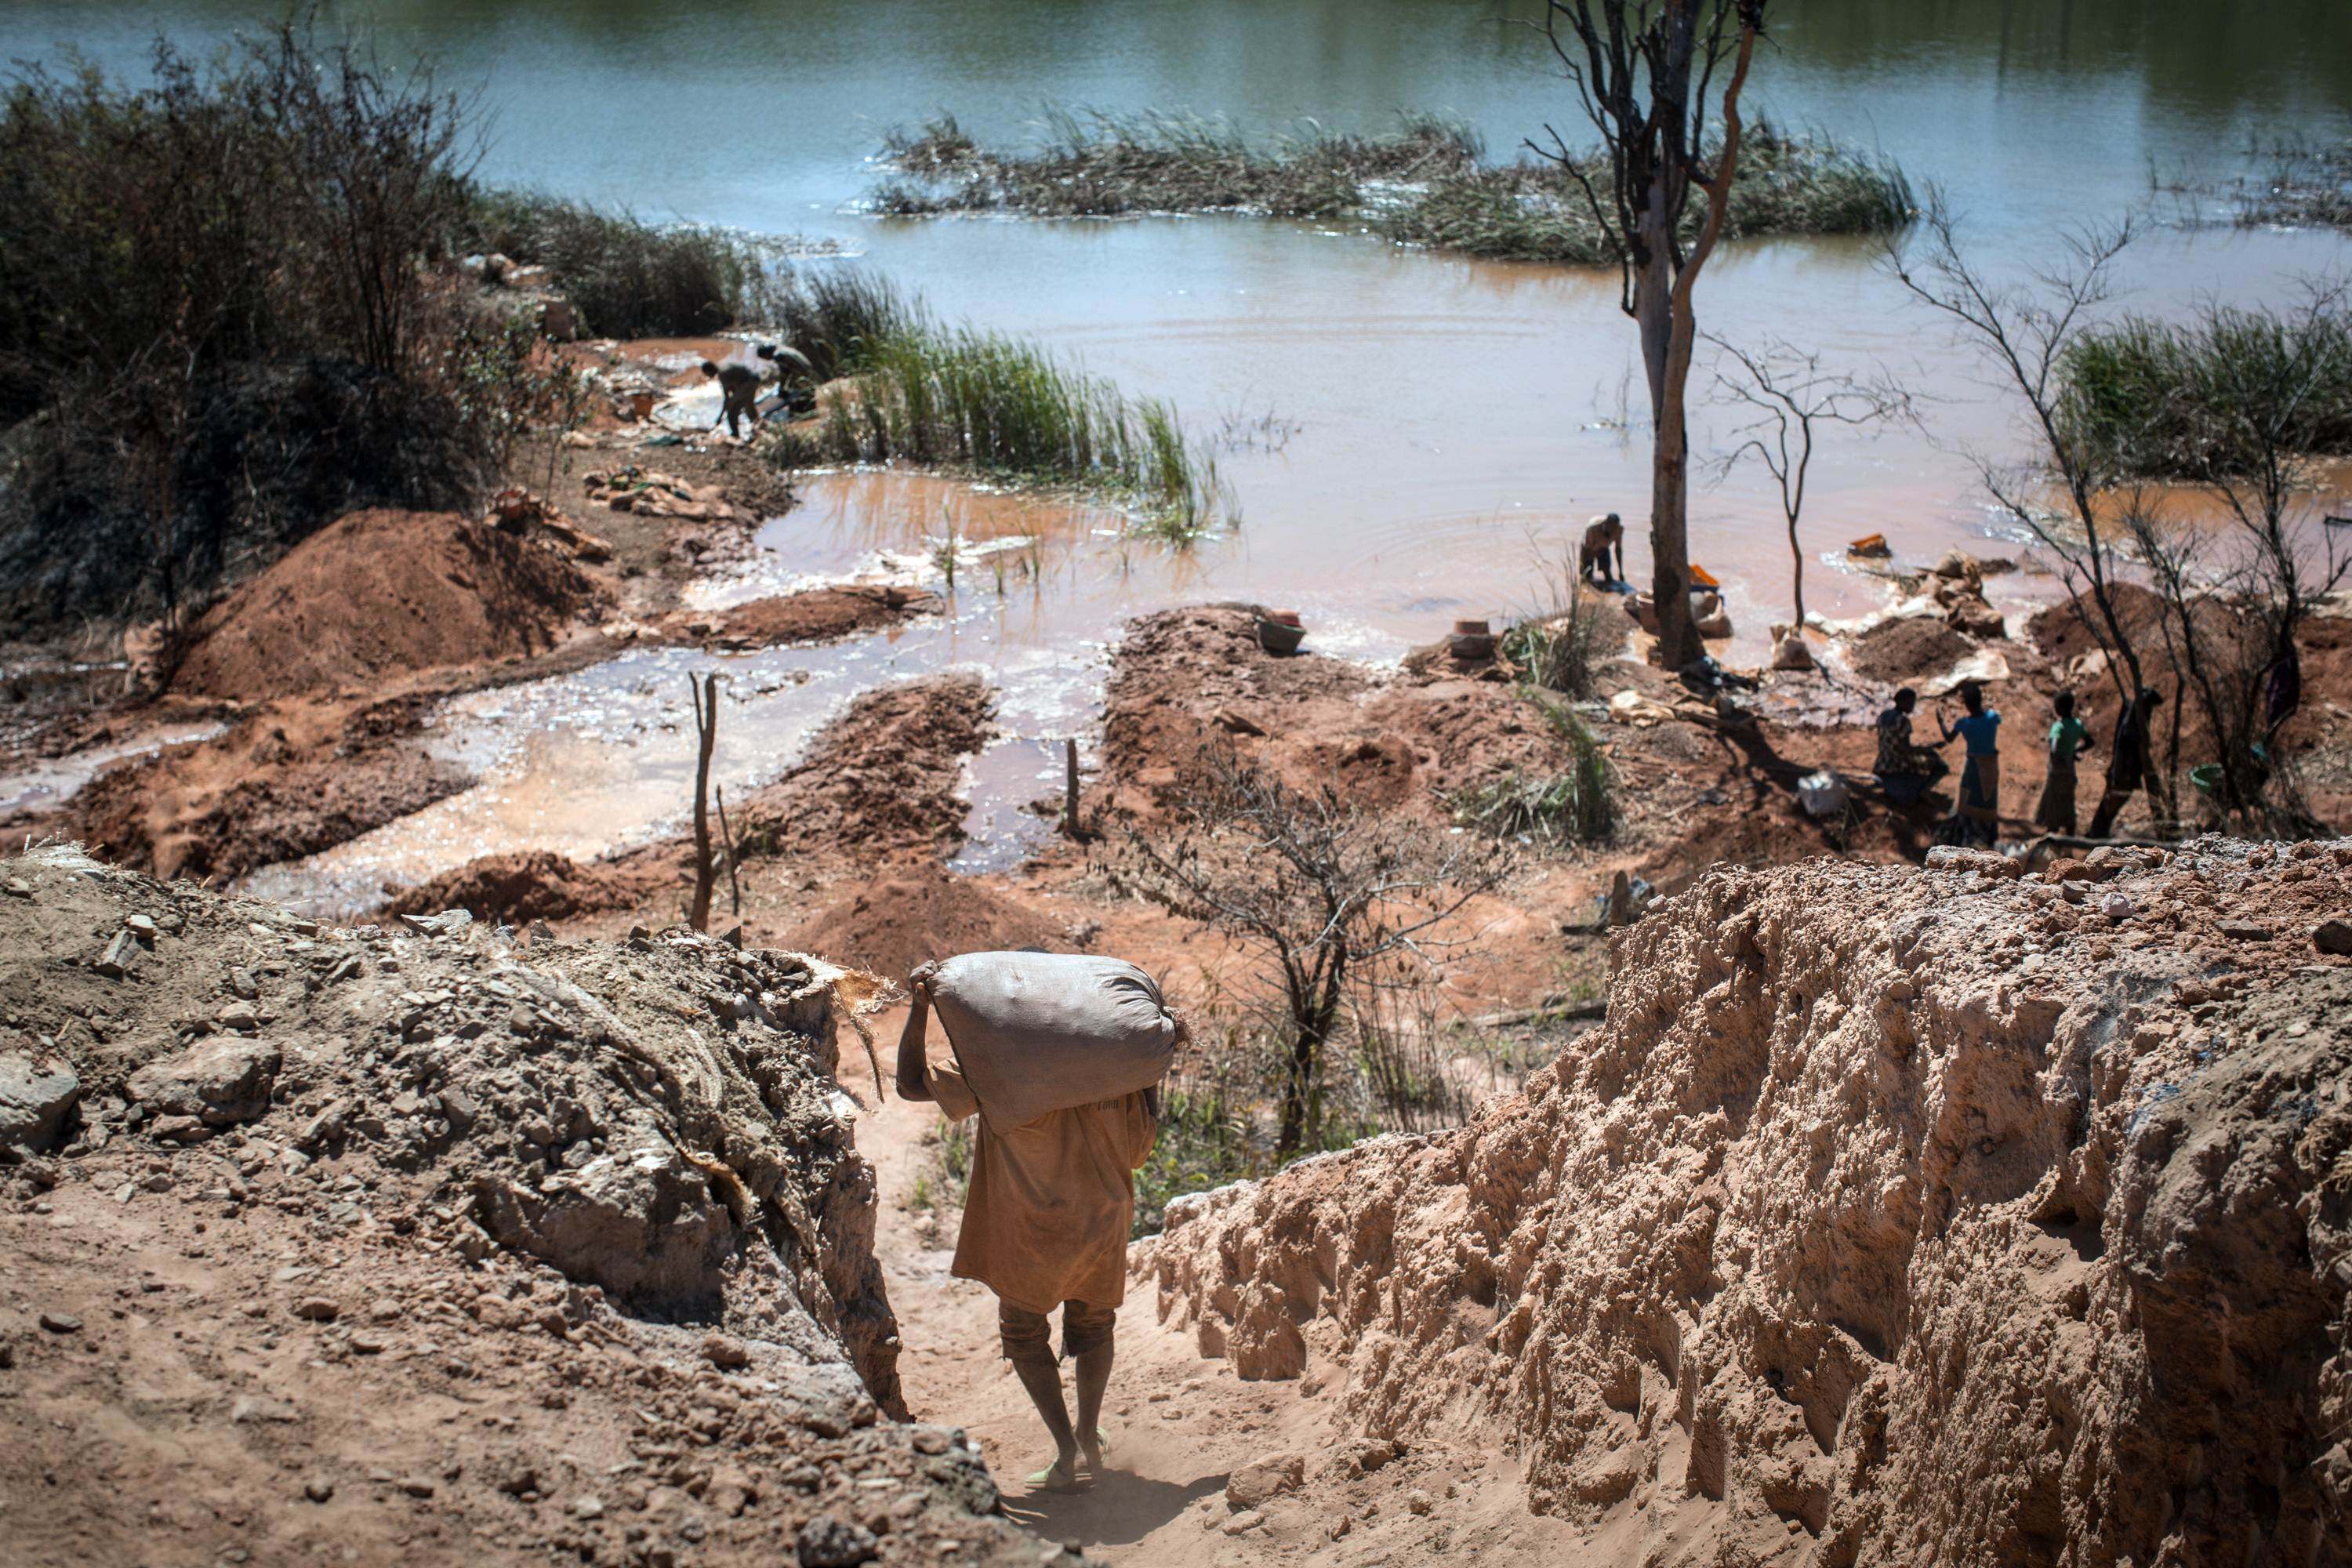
(2068, 736)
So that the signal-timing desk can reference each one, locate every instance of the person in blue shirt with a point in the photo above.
(1979, 816)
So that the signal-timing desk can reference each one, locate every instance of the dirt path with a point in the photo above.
(1179, 1424)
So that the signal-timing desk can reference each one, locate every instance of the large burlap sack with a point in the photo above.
(1035, 1032)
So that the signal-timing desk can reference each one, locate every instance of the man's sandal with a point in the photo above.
(1053, 1478)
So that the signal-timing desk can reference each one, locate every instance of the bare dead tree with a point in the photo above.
(705, 692)
(1792, 393)
(1330, 898)
(2025, 330)
(1643, 71)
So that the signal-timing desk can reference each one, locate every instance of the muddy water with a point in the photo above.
(1408, 436)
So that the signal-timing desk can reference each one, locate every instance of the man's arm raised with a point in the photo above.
(913, 1078)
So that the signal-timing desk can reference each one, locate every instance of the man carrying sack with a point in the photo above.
(1059, 1056)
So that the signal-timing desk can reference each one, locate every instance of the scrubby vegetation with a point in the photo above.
(626, 278)
(1005, 408)
(2306, 187)
(219, 325)
(2179, 399)
(1088, 164)
(1424, 184)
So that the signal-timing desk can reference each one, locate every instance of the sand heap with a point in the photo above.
(407, 1244)
(379, 594)
(1895, 1217)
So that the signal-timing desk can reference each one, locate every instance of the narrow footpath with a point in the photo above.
(1179, 1424)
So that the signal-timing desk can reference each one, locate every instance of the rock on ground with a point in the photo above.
(417, 1245)
(1899, 1215)
(37, 1094)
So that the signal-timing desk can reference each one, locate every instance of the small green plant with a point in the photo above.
(1576, 805)
(955, 1157)
(1205, 1142)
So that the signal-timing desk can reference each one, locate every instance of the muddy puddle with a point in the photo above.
(602, 759)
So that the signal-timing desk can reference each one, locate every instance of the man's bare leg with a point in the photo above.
(1091, 1372)
(1044, 1386)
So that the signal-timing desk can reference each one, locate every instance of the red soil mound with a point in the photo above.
(381, 593)
(513, 888)
(1907, 649)
(915, 912)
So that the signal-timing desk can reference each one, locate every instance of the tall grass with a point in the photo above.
(1424, 183)
(1006, 409)
(627, 277)
(2174, 399)
(840, 317)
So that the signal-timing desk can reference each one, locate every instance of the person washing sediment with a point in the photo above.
(784, 357)
(739, 394)
(1601, 535)
(1051, 1198)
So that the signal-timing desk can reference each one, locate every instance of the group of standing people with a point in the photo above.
(1976, 817)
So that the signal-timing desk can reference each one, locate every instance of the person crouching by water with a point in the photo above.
(1978, 816)
(2054, 812)
(739, 395)
(1601, 535)
(1897, 754)
(1045, 1222)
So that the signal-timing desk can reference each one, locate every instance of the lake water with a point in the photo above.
(1448, 422)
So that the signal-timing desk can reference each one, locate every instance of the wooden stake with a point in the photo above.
(727, 835)
(1070, 788)
(705, 692)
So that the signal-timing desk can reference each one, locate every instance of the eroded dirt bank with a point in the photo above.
(396, 1243)
(1895, 1217)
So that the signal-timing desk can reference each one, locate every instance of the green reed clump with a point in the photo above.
(627, 277)
(1005, 408)
(2179, 400)
(839, 317)
(1423, 184)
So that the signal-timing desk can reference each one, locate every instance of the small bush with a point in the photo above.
(626, 278)
(1562, 648)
